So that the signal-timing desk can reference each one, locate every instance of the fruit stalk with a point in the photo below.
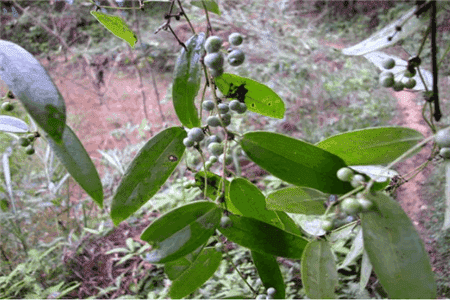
(447, 196)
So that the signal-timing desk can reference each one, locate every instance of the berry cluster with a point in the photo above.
(214, 59)
(27, 143)
(407, 81)
(270, 293)
(442, 139)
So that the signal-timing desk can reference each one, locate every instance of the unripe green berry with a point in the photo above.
(29, 150)
(350, 206)
(196, 134)
(357, 180)
(215, 149)
(389, 63)
(445, 153)
(410, 74)
(218, 247)
(188, 142)
(228, 159)
(236, 57)
(23, 141)
(345, 174)
(213, 159)
(271, 291)
(214, 60)
(387, 81)
(442, 138)
(216, 72)
(213, 121)
(212, 139)
(235, 39)
(31, 137)
(327, 225)
(411, 83)
(398, 86)
(235, 105)
(366, 204)
(213, 44)
(223, 108)
(225, 222)
(208, 165)
(261, 297)
(414, 62)
(7, 106)
(208, 105)
(242, 108)
(226, 119)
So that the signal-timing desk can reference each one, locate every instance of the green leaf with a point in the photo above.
(210, 5)
(355, 250)
(366, 271)
(175, 268)
(288, 224)
(297, 200)
(12, 124)
(258, 97)
(318, 268)
(269, 272)
(181, 231)
(74, 157)
(372, 146)
(148, 172)
(263, 237)
(186, 82)
(203, 268)
(409, 24)
(32, 85)
(250, 202)
(396, 251)
(117, 26)
(295, 161)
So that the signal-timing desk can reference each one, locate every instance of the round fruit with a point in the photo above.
(410, 73)
(223, 108)
(7, 106)
(327, 225)
(350, 206)
(214, 60)
(357, 180)
(260, 297)
(366, 204)
(236, 57)
(213, 121)
(188, 142)
(345, 174)
(196, 134)
(216, 72)
(213, 138)
(24, 141)
(398, 86)
(235, 39)
(349, 219)
(208, 105)
(235, 105)
(442, 138)
(219, 247)
(414, 62)
(445, 152)
(411, 83)
(228, 159)
(271, 291)
(387, 74)
(389, 63)
(242, 108)
(225, 222)
(208, 165)
(10, 95)
(226, 119)
(31, 137)
(387, 81)
(215, 149)
(213, 44)
(29, 150)
(213, 159)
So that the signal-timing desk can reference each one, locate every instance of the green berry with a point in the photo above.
(350, 206)
(223, 108)
(212, 139)
(216, 72)
(442, 138)
(7, 106)
(226, 119)
(389, 63)
(327, 225)
(236, 57)
(215, 149)
(225, 222)
(29, 150)
(24, 141)
(398, 86)
(414, 62)
(228, 159)
(357, 180)
(10, 95)
(188, 142)
(213, 121)
(196, 134)
(260, 297)
(242, 108)
(213, 159)
(410, 74)
(366, 204)
(214, 61)
(235, 39)
(235, 105)
(411, 83)
(31, 137)
(271, 291)
(387, 81)
(208, 105)
(208, 165)
(445, 153)
(213, 44)
(219, 247)
(345, 174)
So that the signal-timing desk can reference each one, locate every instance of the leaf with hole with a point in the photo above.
(258, 97)
(148, 172)
(32, 85)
